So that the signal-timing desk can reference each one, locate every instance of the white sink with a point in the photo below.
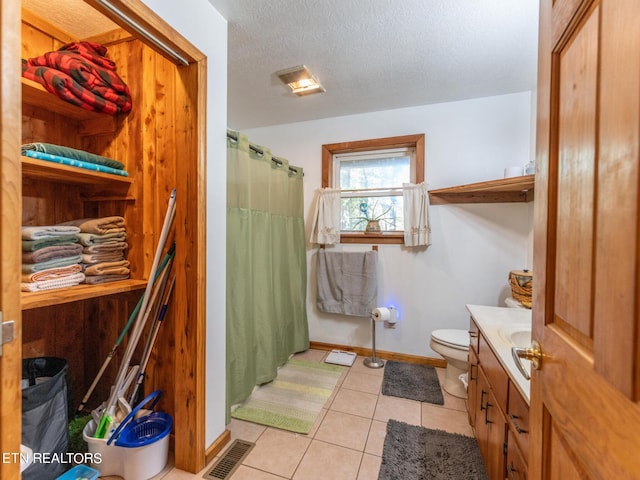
(521, 338)
(518, 335)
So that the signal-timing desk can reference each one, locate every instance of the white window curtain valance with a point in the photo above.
(325, 229)
(417, 231)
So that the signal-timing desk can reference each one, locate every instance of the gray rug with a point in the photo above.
(412, 381)
(418, 453)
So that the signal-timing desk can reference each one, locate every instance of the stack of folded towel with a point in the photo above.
(51, 257)
(103, 242)
(50, 152)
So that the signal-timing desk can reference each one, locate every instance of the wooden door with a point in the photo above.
(585, 417)
(10, 194)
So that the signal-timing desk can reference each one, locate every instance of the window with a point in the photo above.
(369, 182)
(370, 174)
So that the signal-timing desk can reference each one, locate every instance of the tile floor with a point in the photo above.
(346, 441)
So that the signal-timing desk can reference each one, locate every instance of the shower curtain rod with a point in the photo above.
(275, 160)
(377, 190)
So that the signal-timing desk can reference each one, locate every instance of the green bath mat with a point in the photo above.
(294, 399)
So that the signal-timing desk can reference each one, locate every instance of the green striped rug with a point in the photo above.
(294, 399)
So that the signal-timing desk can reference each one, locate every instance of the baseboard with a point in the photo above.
(217, 446)
(366, 352)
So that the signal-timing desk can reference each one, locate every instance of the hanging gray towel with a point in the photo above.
(347, 282)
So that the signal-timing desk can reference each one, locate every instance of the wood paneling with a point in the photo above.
(161, 142)
(576, 135)
(10, 205)
(617, 352)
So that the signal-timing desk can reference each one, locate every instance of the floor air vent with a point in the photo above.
(232, 459)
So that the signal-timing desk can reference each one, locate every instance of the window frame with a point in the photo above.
(415, 141)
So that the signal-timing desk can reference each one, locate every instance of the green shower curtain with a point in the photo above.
(266, 266)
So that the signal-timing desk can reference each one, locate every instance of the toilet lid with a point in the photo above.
(452, 338)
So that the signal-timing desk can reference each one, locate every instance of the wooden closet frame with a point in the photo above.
(189, 298)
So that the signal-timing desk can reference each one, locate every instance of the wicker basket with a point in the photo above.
(521, 282)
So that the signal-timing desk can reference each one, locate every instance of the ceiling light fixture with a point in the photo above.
(300, 80)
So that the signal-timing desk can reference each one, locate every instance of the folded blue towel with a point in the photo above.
(55, 263)
(73, 154)
(73, 163)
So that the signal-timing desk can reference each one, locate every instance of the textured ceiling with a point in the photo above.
(373, 55)
(370, 55)
(65, 15)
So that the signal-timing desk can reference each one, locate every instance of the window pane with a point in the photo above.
(388, 210)
(374, 172)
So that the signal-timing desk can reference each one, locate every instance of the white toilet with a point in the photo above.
(453, 345)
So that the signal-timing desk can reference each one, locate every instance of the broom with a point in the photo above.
(107, 415)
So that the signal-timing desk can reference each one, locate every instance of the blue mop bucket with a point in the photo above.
(145, 430)
(138, 449)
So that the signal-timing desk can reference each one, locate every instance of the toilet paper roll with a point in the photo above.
(380, 314)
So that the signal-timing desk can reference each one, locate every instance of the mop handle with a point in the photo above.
(152, 339)
(106, 419)
(114, 349)
(140, 323)
(129, 351)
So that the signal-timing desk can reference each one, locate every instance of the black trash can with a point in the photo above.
(45, 416)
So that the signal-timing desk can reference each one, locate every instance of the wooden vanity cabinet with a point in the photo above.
(472, 386)
(497, 411)
(515, 463)
(518, 417)
(490, 429)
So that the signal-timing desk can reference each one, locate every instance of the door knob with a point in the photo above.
(533, 353)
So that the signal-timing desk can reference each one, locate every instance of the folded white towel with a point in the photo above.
(62, 282)
(52, 273)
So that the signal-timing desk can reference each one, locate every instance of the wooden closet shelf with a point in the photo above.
(34, 94)
(48, 298)
(513, 189)
(55, 172)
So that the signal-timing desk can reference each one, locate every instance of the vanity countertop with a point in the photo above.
(497, 324)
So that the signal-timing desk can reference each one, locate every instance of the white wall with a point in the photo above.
(474, 246)
(206, 29)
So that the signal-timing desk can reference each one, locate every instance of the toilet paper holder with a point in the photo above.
(388, 315)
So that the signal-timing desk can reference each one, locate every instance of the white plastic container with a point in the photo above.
(138, 463)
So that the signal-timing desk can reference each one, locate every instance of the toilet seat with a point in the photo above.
(456, 339)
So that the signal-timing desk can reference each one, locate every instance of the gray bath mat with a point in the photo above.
(412, 381)
(419, 453)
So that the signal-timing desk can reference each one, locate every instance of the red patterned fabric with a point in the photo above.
(81, 74)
